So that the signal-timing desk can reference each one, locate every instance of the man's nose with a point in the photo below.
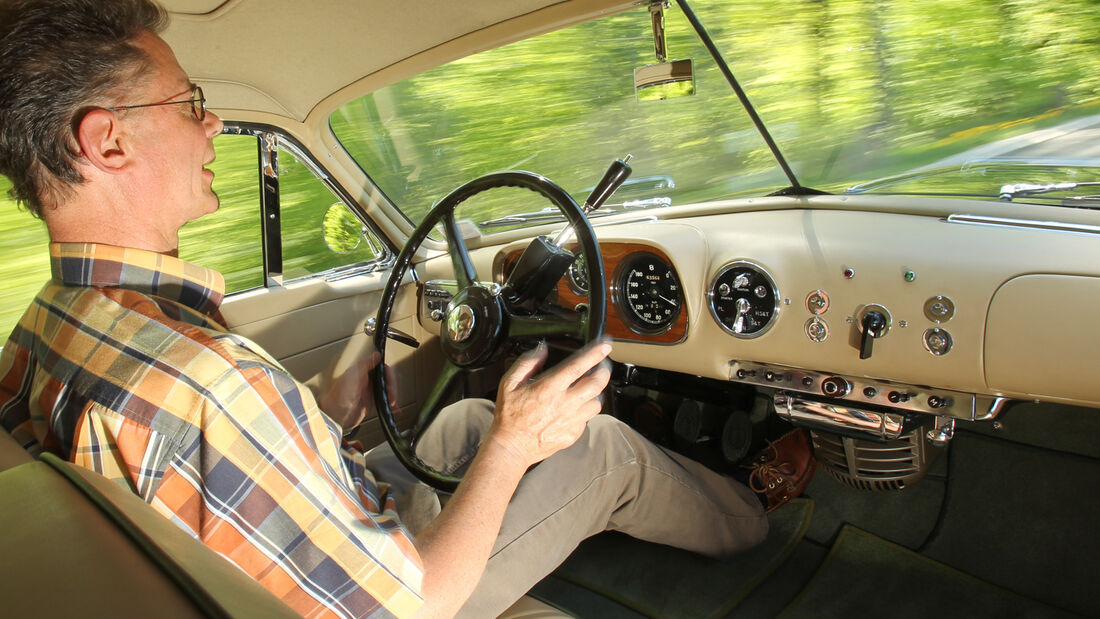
(213, 124)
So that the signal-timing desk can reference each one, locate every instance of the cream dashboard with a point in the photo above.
(902, 309)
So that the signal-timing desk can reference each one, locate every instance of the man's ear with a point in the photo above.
(101, 142)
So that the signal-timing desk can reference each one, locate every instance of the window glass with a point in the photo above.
(229, 240)
(853, 91)
(26, 259)
(319, 231)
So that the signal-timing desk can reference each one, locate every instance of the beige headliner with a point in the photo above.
(286, 57)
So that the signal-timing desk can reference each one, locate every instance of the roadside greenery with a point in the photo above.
(852, 90)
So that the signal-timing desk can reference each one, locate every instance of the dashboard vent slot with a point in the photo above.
(873, 466)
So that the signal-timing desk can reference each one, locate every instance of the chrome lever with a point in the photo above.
(372, 325)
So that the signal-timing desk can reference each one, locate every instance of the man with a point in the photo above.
(123, 365)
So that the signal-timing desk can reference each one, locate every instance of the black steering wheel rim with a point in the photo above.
(591, 325)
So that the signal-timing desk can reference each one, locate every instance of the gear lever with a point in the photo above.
(613, 178)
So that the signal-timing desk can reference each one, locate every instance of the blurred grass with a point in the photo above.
(24, 254)
(228, 240)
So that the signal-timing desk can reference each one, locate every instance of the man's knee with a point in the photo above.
(451, 441)
(612, 440)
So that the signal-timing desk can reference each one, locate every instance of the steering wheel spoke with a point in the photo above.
(465, 272)
(545, 325)
(433, 403)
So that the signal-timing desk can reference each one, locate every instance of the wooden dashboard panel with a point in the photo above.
(613, 255)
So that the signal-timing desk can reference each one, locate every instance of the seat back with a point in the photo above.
(76, 544)
(11, 454)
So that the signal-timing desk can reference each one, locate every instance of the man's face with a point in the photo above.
(173, 147)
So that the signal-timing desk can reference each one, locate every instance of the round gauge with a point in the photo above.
(578, 276)
(743, 299)
(649, 293)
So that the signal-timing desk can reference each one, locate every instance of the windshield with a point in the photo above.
(859, 95)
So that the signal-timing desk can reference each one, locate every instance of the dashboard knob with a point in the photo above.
(874, 326)
(938, 341)
(835, 387)
(897, 397)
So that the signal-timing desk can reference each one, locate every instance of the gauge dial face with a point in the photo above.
(650, 296)
(743, 299)
(578, 275)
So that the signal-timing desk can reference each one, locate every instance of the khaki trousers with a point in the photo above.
(610, 479)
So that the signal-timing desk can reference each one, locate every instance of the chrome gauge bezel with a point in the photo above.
(618, 296)
(726, 268)
(576, 274)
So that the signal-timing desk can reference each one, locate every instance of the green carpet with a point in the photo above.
(659, 581)
(786, 582)
(906, 517)
(1024, 518)
(866, 576)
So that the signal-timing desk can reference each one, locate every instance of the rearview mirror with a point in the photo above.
(664, 80)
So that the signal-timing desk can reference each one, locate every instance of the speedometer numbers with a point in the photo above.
(743, 299)
(649, 293)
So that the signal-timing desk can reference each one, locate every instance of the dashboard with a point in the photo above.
(896, 309)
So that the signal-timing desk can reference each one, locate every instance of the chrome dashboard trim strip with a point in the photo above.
(1029, 224)
(833, 417)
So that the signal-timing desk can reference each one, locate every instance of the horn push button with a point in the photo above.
(473, 327)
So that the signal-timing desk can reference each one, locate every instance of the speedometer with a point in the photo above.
(648, 293)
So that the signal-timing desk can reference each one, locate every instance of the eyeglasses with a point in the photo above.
(197, 101)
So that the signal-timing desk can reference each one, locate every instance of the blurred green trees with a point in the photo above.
(851, 90)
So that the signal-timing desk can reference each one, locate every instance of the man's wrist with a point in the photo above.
(506, 450)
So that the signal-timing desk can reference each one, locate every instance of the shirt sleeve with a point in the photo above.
(263, 482)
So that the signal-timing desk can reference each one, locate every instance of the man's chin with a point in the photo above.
(213, 202)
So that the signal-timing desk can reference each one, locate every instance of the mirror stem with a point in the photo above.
(657, 14)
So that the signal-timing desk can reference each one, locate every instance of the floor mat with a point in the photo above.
(659, 581)
(785, 583)
(1024, 518)
(866, 576)
(904, 516)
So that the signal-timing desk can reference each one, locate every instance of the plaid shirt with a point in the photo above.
(123, 365)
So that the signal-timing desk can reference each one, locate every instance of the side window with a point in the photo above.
(26, 259)
(261, 179)
(319, 232)
(230, 240)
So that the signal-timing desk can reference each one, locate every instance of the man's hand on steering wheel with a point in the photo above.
(536, 417)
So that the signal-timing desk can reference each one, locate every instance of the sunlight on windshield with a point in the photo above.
(852, 90)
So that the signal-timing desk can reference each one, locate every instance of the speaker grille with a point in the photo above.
(874, 466)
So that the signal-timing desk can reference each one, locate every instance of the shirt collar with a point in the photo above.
(107, 266)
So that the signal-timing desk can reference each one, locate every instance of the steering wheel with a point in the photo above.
(482, 321)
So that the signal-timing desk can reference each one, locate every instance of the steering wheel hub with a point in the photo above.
(474, 327)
